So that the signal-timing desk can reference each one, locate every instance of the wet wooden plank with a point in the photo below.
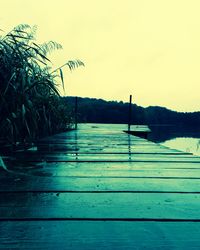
(62, 148)
(101, 142)
(102, 151)
(31, 166)
(110, 158)
(105, 170)
(120, 165)
(26, 183)
(115, 172)
(90, 235)
(108, 150)
(123, 156)
(134, 206)
(103, 182)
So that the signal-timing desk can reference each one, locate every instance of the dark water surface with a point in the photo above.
(182, 138)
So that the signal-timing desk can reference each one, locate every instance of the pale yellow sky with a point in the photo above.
(147, 48)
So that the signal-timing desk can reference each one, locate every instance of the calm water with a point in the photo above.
(181, 138)
(186, 144)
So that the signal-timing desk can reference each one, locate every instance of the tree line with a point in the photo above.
(93, 110)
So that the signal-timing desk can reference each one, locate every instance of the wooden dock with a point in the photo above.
(100, 188)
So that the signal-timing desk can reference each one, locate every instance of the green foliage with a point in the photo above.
(29, 99)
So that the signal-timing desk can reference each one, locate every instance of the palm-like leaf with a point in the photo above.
(27, 84)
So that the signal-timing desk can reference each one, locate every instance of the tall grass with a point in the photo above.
(30, 106)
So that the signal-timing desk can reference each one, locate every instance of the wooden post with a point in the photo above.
(76, 111)
(129, 113)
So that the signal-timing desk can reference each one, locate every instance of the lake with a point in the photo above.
(181, 138)
(187, 144)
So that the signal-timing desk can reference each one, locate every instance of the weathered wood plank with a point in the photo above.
(90, 235)
(114, 176)
(61, 148)
(124, 156)
(110, 158)
(137, 173)
(120, 165)
(93, 159)
(106, 147)
(20, 165)
(44, 183)
(132, 206)
(126, 170)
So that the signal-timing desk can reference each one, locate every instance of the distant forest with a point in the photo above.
(92, 110)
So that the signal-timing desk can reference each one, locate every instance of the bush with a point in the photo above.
(30, 106)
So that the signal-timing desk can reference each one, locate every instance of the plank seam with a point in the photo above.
(101, 219)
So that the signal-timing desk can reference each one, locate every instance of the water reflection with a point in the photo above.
(182, 138)
(186, 144)
(161, 133)
(129, 147)
(76, 144)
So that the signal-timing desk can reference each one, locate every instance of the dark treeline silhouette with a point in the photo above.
(100, 111)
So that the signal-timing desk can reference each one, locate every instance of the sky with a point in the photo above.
(149, 49)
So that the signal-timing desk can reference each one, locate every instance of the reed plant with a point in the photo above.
(30, 105)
